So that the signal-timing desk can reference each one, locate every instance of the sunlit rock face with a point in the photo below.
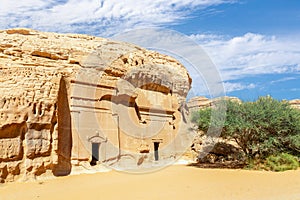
(66, 99)
(295, 103)
(198, 102)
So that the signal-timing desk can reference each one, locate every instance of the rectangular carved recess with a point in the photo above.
(11, 136)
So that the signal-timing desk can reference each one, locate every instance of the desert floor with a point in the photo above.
(175, 182)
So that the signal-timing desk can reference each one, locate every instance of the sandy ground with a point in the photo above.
(175, 182)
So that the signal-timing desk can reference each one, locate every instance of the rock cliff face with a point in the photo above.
(199, 102)
(57, 90)
(295, 103)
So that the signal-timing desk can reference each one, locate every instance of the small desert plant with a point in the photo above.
(282, 162)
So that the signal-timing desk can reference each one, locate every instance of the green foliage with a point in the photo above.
(282, 162)
(261, 128)
(202, 119)
(279, 162)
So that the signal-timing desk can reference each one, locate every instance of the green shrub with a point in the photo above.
(262, 128)
(282, 162)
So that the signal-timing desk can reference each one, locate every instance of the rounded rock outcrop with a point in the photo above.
(46, 79)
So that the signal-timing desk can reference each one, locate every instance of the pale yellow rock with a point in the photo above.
(64, 95)
(199, 102)
(295, 103)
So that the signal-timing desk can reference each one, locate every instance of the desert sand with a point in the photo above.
(175, 182)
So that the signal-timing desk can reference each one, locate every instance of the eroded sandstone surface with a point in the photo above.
(200, 102)
(64, 95)
(295, 103)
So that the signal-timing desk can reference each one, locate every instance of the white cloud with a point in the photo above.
(251, 54)
(206, 38)
(295, 89)
(283, 80)
(230, 87)
(103, 18)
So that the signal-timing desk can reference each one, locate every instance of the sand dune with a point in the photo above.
(175, 182)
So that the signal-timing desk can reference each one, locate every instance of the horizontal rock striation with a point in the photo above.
(44, 76)
(295, 103)
(200, 102)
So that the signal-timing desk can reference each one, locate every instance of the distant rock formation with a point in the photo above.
(295, 103)
(199, 102)
(69, 98)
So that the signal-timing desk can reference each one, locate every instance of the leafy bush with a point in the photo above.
(282, 162)
(202, 119)
(262, 128)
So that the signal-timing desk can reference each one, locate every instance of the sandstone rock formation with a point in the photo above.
(216, 150)
(295, 103)
(199, 102)
(68, 98)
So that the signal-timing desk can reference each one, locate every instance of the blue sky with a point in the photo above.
(280, 17)
(255, 44)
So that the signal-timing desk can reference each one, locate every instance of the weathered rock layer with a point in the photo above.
(46, 77)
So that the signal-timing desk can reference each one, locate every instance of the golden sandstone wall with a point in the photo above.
(67, 99)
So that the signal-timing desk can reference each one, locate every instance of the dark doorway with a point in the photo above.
(95, 153)
(156, 146)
